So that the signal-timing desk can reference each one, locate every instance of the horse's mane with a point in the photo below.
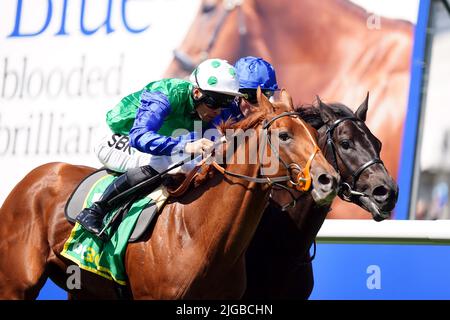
(341, 110)
(206, 173)
(250, 122)
(311, 113)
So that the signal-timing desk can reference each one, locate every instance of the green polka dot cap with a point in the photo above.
(212, 81)
(216, 75)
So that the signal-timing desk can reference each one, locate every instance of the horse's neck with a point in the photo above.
(230, 213)
(231, 207)
(326, 48)
(248, 198)
(303, 16)
(306, 216)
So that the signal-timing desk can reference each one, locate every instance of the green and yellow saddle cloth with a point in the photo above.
(106, 258)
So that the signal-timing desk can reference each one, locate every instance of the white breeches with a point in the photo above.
(115, 153)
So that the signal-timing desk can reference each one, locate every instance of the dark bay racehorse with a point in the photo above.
(278, 269)
(328, 47)
(196, 248)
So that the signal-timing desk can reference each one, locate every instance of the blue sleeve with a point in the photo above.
(233, 113)
(144, 136)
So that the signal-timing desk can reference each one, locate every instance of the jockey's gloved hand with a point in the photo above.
(199, 146)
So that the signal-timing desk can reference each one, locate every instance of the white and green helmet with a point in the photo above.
(216, 75)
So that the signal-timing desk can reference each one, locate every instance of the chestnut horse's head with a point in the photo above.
(292, 145)
(355, 153)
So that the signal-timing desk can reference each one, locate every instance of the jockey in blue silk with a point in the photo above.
(252, 72)
(151, 116)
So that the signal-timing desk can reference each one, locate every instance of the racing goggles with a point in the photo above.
(215, 100)
(250, 95)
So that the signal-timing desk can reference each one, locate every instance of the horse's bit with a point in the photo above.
(185, 60)
(346, 190)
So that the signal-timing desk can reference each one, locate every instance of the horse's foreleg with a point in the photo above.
(23, 249)
(33, 229)
(22, 269)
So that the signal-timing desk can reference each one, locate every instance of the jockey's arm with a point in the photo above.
(233, 114)
(144, 136)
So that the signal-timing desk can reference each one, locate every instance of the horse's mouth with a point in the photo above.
(370, 206)
(323, 198)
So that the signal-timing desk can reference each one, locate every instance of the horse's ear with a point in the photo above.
(361, 113)
(263, 101)
(287, 99)
(326, 113)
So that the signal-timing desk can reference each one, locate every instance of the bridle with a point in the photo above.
(347, 190)
(301, 181)
(187, 62)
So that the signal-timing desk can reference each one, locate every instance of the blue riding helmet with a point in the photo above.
(254, 72)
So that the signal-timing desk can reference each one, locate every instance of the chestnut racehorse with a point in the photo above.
(327, 47)
(196, 247)
(277, 260)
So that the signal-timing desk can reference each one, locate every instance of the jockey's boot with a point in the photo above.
(92, 218)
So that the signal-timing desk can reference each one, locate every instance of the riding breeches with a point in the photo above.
(115, 153)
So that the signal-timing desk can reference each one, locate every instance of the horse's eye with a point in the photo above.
(345, 144)
(208, 7)
(284, 136)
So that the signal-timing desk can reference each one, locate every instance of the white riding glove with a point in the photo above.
(199, 146)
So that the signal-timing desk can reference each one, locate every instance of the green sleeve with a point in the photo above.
(120, 119)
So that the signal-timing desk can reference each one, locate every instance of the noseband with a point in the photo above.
(347, 190)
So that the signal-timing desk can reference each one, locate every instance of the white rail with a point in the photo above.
(385, 232)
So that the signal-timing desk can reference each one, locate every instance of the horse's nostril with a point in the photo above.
(324, 179)
(380, 193)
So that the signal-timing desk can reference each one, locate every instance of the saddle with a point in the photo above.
(174, 186)
(76, 203)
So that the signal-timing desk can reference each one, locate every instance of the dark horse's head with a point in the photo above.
(355, 153)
